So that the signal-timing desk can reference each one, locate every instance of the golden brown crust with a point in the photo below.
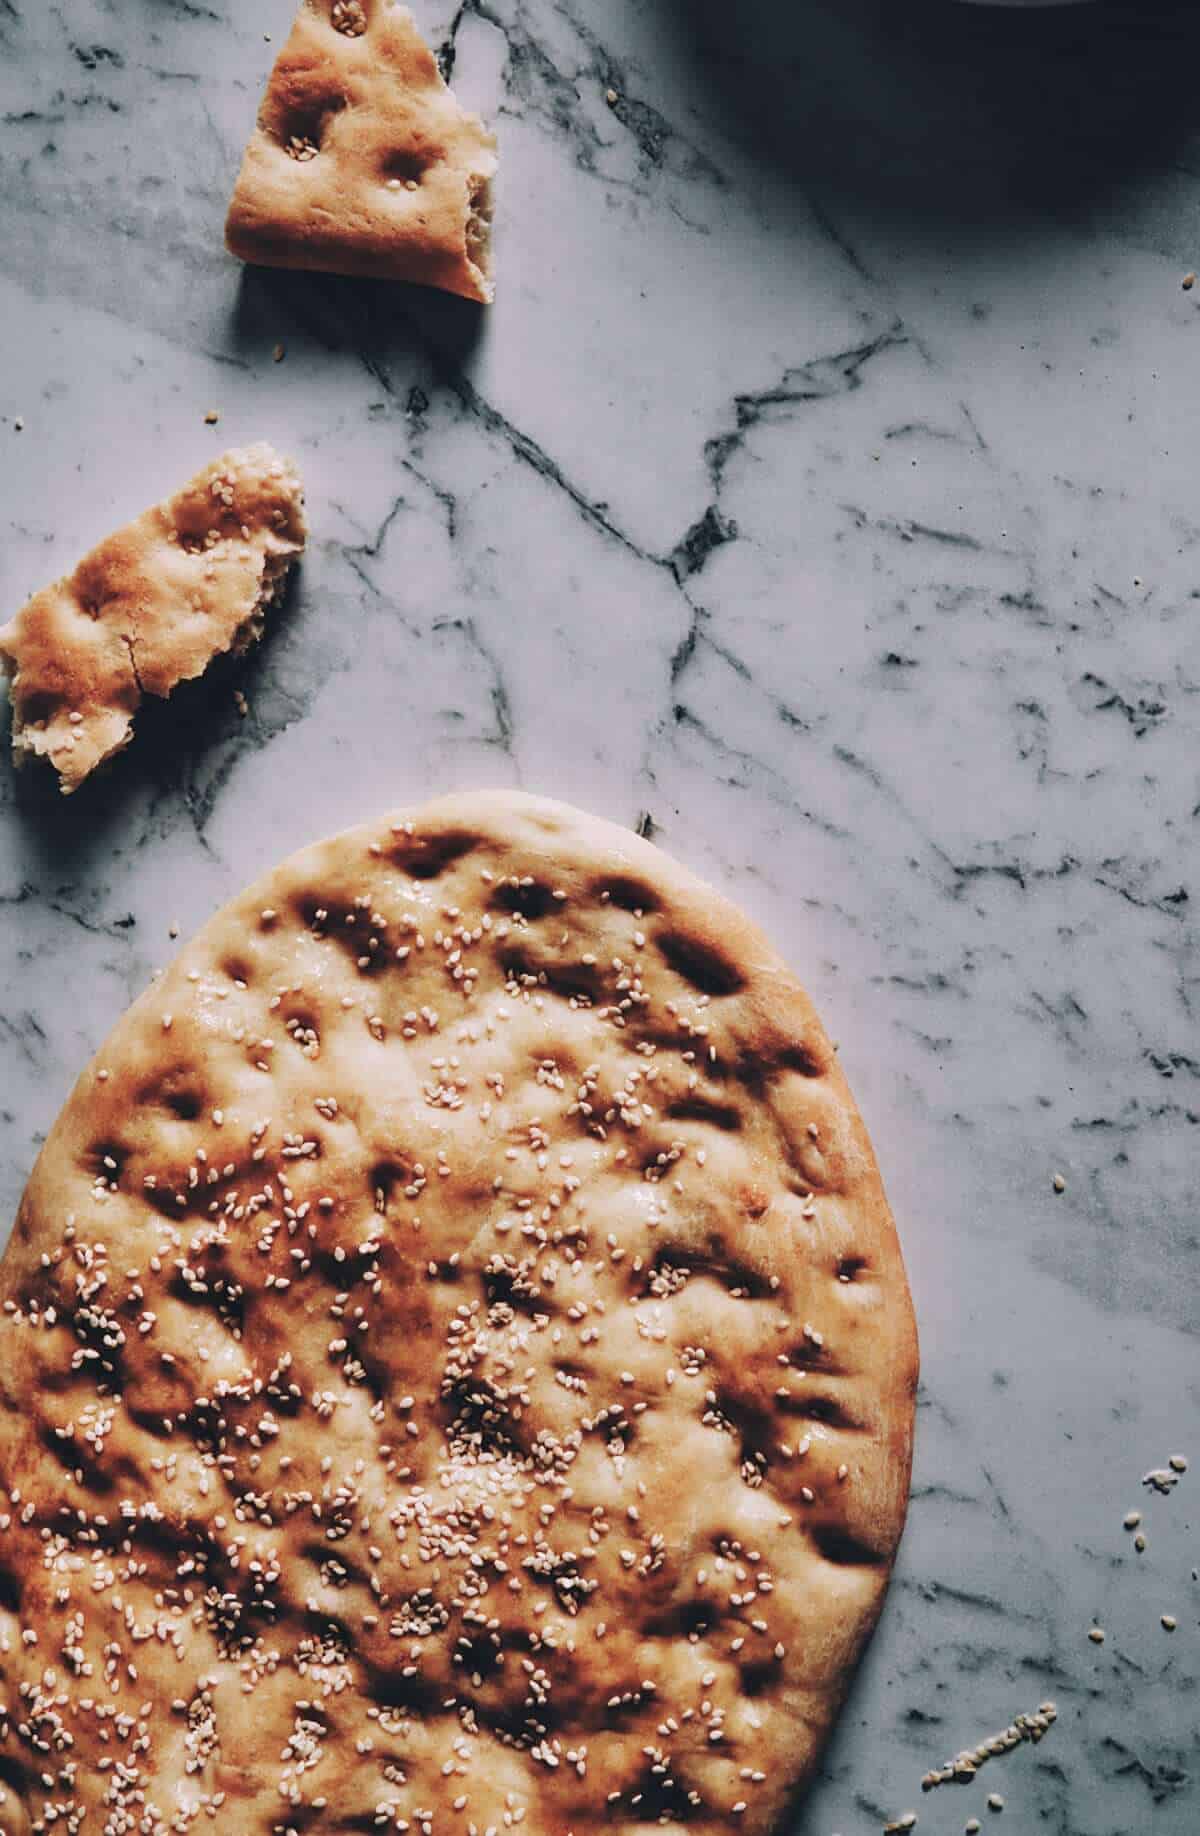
(150, 608)
(362, 161)
(456, 1365)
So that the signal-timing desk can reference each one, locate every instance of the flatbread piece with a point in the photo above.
(362, 161)
(456, 1365)
(151, 607)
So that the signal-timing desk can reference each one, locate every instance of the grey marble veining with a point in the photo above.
(821, 492)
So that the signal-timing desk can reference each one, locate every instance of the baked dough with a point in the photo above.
(456, 1365)
(362, 161)
(150, 608)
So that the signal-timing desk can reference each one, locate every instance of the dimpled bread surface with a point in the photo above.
(457, 1367)
(362, 161)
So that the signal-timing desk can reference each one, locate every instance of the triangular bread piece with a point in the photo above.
(151, 607)
(362, 161)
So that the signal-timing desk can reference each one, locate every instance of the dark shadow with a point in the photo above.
(185, 748)
(385, 325)
(947, 110)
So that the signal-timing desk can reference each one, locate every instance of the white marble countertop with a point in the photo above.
(821, 494)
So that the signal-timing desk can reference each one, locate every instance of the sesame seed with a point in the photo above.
(530, 1271)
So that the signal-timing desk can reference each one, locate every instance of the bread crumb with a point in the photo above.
(240, 703)
(995, 1802)
(1178, 1463)
(211, 418)
(278, 354)
(1189, 280)
(611, 97)
(1097, 1635)
(1169, 1622)
(1059, 1183)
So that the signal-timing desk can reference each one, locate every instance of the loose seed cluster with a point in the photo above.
(962, 1769)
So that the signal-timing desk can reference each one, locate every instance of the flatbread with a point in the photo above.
(362, 161)
(150, 608)
(456, 1366)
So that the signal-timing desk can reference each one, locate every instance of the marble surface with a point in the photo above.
(821, 494)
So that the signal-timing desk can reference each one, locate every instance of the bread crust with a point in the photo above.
(456, 1364)
(150, 607)
(362, 161)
